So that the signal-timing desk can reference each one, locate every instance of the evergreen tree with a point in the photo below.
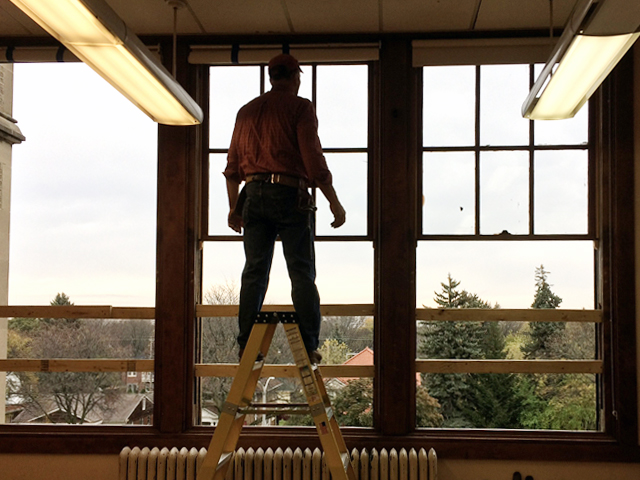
(61, 300)
(469, 400)
(542, 334)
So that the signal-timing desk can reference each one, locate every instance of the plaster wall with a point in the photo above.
(636, 130)
(6, 99)
(105, 467)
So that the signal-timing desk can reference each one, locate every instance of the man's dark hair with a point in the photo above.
(280, 72)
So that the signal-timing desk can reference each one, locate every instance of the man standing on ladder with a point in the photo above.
(275, 149)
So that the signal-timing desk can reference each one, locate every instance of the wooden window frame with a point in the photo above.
(396, 154)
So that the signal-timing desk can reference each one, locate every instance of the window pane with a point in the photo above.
(231, 88)
(448, 193)
(306, 82)
(572, 131)
(449, 106)
(83, 199)
(342, 105)
(222, 264)
(345, 272)
(80, 397)
(503, 88)
(218, 200)
(349, 171)
(508, 401)
(561, 191)
(503, 273)
(504, 192)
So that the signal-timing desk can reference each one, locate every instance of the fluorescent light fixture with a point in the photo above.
(596, 37)
(93, 32)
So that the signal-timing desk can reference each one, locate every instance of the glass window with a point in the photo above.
(449, 192)
(344, 257)
(478, 197)
(502, 88)
(83, 232)
(449, 106)
(504, 193)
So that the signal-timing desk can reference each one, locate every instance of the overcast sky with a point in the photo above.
(83, 203)
(84, 194)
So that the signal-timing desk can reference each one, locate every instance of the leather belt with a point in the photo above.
(287, 180)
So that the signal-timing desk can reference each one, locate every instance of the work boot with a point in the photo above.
(315, 357)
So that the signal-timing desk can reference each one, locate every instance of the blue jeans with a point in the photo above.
(271, 210)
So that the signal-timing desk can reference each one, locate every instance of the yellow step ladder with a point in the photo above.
(239, 401)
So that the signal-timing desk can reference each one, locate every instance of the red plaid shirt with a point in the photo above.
(277, 133)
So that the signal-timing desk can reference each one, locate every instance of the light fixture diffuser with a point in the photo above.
(93, 32)
(597, 36)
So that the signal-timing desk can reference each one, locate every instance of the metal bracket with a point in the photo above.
(276, 317)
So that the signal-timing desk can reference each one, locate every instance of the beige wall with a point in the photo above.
(636, 109)
(6, 101)
(105, 467)
(59, 467)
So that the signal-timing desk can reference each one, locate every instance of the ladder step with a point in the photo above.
(329, 412)
(224, 459)
(267, 408)
(346, 458)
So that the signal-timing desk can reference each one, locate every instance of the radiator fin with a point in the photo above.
(182, 464)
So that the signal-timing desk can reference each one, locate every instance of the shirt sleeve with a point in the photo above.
(232, 170)
(310, 147)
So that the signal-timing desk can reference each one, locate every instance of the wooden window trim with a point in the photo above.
(178, 276)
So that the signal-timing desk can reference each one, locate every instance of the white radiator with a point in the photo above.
(174, 464)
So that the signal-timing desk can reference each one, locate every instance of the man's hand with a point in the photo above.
(235, 221)
(339, 214)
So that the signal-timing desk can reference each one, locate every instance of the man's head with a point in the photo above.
(284, 69)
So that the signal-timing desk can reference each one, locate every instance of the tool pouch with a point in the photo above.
(242, 197)
(305, 201)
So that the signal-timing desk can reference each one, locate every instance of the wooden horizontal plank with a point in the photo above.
(508, 366)
(57, 311)
(508, 315)
(328, 371)
(75, 365)
(283, 371)
(77, 311)
(342, 310)
(133, 313)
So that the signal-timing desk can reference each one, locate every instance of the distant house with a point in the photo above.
(128, 409)
(139, 382)
(209, 418)
(12, 411)
(364, 357)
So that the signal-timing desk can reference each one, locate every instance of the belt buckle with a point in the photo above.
(274, 178)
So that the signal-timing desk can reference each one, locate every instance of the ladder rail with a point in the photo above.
(239, 401)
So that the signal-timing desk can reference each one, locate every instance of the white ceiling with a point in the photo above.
(317, 16)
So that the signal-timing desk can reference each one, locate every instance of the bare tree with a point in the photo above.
(76, 395)
(219, 344)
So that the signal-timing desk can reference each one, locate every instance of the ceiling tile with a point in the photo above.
(148, 17)
(529, 14)
(333, 16)
(153, 17)
(14, 22)
(241, 16)
(427, 15)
